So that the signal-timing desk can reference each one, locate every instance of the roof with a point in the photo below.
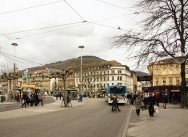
(52, 70)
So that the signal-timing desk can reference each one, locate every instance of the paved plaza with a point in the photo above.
(170, 122)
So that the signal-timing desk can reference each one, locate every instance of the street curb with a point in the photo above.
(124, 134)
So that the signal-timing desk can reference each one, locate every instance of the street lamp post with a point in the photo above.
(81, 47)
(14, 73)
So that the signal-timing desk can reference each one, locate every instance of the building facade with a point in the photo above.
(100, 76)
(165, 72)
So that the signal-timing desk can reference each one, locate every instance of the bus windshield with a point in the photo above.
(120, 90)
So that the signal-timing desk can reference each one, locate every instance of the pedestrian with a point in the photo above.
(40, 98)
(157, 98)
(25, 99)
(138, 104)
(151, 103)
(56, 94)
(60, 95)
(165, 100)
(115, 104)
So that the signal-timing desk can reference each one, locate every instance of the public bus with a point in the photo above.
(119, 91)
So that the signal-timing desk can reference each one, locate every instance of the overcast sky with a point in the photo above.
(48, 31)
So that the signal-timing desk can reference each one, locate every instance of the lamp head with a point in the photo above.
(14, 44)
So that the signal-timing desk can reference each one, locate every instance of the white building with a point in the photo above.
(95, 78)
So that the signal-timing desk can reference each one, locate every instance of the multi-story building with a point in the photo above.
(47, 79)
(99, 76)
(165, 72)
(95, 77)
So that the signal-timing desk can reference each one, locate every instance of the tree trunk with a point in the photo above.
(183, 86)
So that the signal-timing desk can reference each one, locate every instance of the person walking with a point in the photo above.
(60, 95)
(151, 103)
(40, 99)
(115, 104)
(157, 98)
(138, 104)
(25, 99)
(165, 100)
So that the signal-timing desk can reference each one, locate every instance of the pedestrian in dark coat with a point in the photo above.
(25, 99)
(165, 100)
(151, 103)
(115, 103)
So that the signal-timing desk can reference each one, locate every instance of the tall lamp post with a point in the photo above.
(81, 47)
(14, 73)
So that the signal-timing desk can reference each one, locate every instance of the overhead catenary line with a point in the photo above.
(115, 5)
(107, 26)
(74, 10)
(122, 7)
(36, 6)
(40, 28)
(6, 54)
(15, 59)
(48, 27)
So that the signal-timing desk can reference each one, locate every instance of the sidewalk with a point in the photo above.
(47, 108)
(170, 122)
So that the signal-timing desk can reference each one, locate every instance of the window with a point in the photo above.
(112, 71)
(164, 81)
(157, 81)
(177, 81)
(120, 78)
(119, 71)
(164, 71)
(177, 71)
(170, 71)
(112, 78)
(170, 81)
(156, 72)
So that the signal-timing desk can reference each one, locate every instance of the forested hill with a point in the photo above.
(75, 63)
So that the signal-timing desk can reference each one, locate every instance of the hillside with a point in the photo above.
(75, 63)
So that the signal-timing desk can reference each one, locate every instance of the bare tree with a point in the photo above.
(164, 32)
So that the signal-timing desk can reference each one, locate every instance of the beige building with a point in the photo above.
(166, 73)
(47, 79)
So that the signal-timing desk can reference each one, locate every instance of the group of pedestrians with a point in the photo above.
(151, 102)
(30, 99)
